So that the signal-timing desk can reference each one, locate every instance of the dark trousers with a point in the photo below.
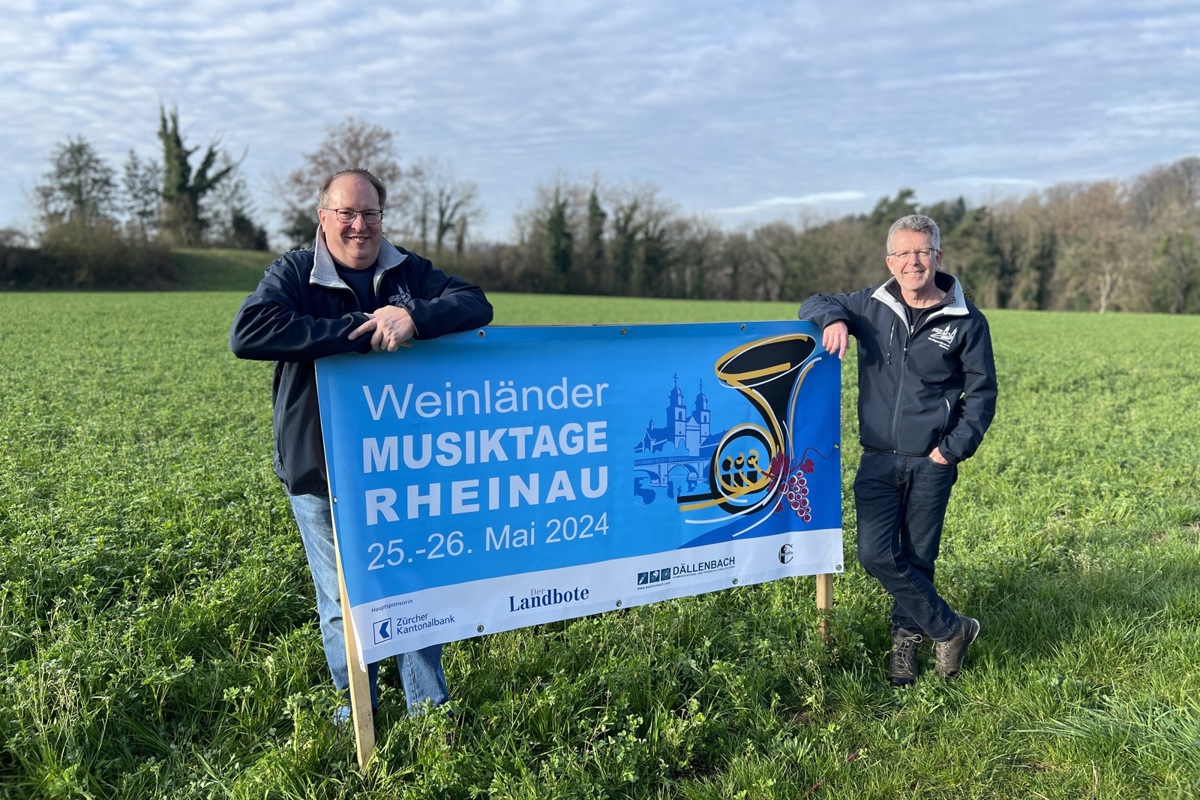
(901, 503)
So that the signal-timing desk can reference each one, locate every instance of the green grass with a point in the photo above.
(211, 270)
(158, 637)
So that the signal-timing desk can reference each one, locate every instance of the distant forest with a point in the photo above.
(1103, 246)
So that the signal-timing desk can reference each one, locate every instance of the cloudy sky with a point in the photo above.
(741, 111)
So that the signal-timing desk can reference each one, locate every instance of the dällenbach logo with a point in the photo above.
(654, 576)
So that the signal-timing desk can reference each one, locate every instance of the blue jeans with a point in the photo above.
(901, 503)
(421, 671)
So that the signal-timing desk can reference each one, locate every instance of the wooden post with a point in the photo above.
(360, 687)
(360, 681)
(825, 602)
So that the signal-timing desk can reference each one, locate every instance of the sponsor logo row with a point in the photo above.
(387, 629)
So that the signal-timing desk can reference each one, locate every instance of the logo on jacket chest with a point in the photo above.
(943, 337)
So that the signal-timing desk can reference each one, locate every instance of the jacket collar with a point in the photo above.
(325, 270)
(955, 306)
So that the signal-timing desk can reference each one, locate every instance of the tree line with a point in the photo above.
(1100, 246)
(98, 228)
(103, 228)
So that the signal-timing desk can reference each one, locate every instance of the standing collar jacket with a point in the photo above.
(302, 310)
(325, 270)
(932, 385)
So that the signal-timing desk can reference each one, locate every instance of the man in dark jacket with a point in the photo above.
(353, 292)
(927, 394)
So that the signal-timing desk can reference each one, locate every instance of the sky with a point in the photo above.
(739, 112)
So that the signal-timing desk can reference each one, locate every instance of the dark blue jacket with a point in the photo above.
(935, 385)
(302, 311)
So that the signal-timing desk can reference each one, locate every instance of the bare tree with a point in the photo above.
(441, 207)
(1102, 252)
(737, 256)
(1166, 191)
(698, 258)
(778, 254)
(354, 144)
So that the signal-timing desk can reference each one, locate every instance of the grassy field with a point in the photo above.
(204, 269)
(158, 637)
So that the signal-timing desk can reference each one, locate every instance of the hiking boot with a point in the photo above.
(949, 654)
(902, 663)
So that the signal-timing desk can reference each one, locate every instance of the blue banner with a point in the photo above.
(513, 476)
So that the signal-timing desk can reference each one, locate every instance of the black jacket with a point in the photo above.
(302, 311)
(935, 385)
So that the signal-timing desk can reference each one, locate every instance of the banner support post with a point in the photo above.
(360, 691)
(824, 602)
(362, 716)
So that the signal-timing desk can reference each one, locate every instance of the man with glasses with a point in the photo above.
(926, 396)
(354, 291)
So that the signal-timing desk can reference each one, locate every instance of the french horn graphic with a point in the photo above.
(754, 466)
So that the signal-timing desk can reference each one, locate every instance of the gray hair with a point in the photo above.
(920, 224)
(380, 189)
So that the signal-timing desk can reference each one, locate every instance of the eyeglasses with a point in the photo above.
(924, 253)
(371, 216)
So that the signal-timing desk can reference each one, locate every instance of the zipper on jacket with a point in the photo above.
(902, 372)
(899, 382)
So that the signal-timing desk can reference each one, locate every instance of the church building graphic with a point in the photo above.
(675, 458)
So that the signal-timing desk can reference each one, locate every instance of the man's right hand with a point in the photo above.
(391, 327)
(835, 338)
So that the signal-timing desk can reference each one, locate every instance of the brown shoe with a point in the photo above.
(949, 655)
(902, 663)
